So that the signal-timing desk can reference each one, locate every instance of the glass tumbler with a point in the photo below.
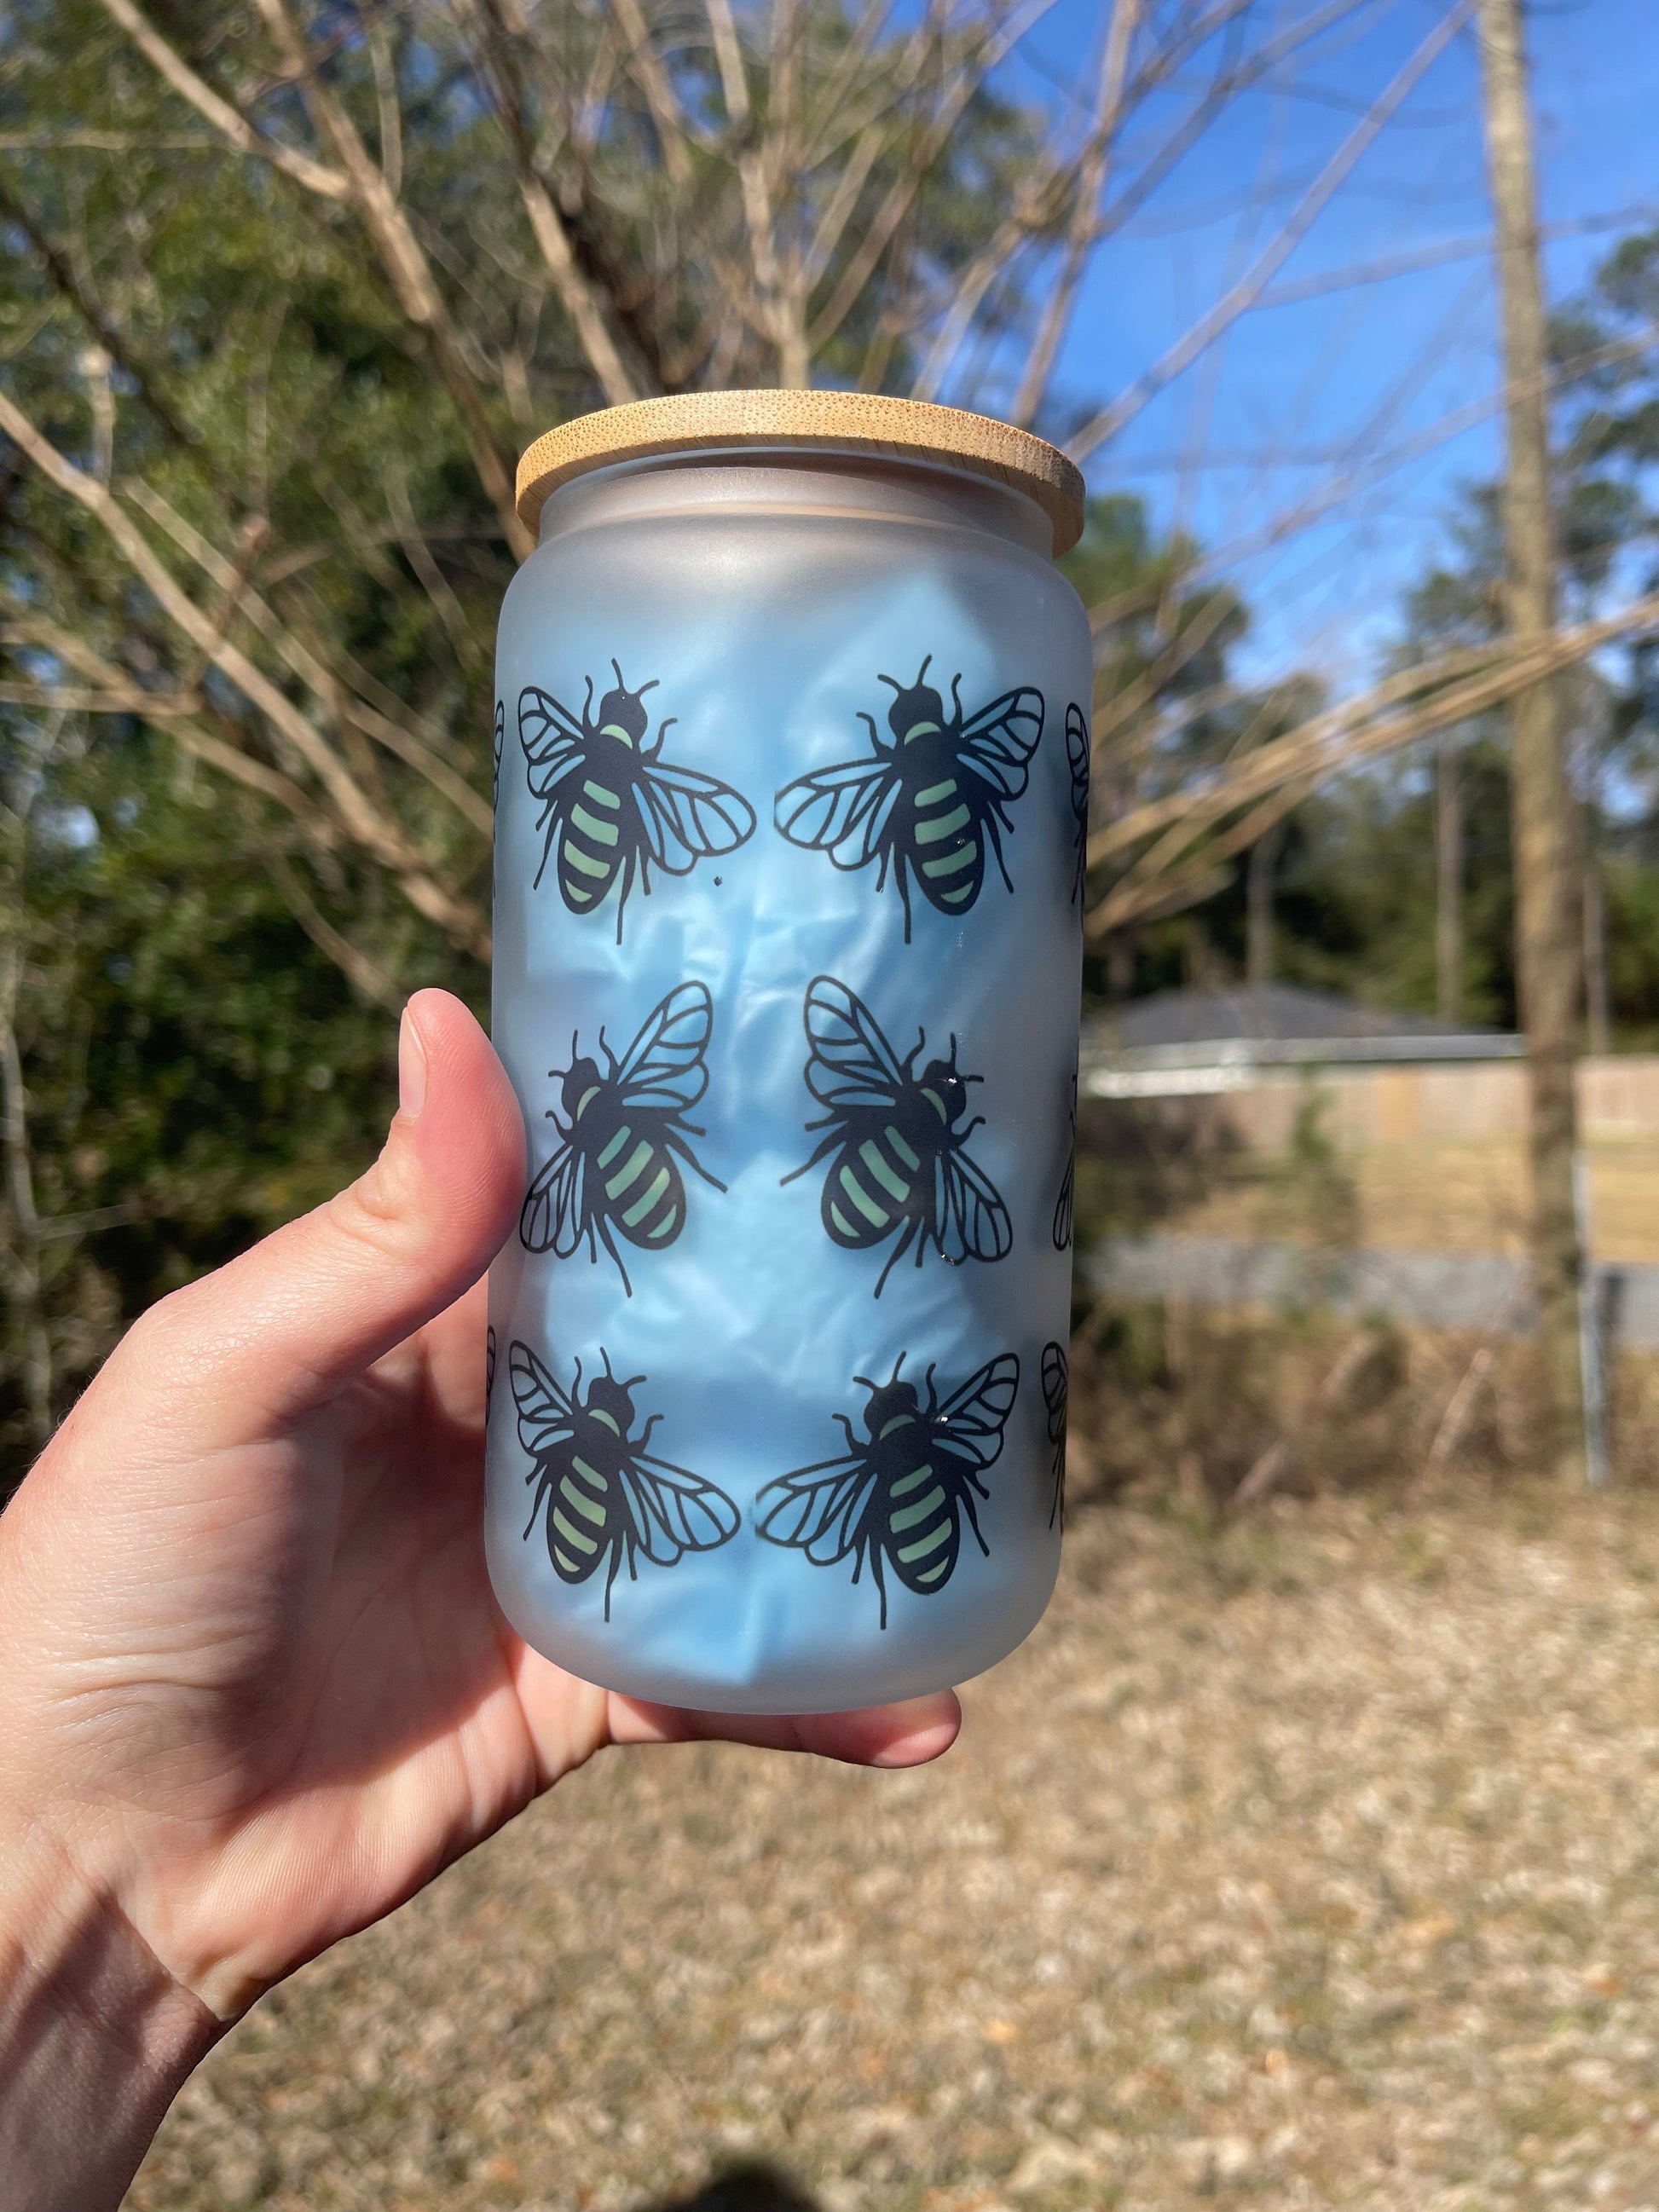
(791, 787)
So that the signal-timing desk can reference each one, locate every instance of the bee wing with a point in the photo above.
(550, 1218)
(817, 1510)
(1065, 1206)
(663, 1065)
(544, 1409)
(972, 1220)
(998, 741)
(970, 1422)
(674, 1510)
(688, 816)
(843, 811)
(1077, 758)
(552, 740)
(851, 1064)
(1055, 1384)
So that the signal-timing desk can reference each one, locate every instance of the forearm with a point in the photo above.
(95, 2039)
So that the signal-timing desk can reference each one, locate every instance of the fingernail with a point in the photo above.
(412, 1069)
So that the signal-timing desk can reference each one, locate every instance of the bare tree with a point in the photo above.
(1547, 939)
(1448, 878)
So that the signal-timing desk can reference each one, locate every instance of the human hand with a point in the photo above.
(256, 1689)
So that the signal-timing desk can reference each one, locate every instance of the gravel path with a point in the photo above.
(1315, 1865)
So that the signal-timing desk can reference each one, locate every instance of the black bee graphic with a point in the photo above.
(929, 802)
(1064, 1204)
(1077, 759)
(899, 1163)
(612, 804)
(900, 1499)
(501, 733)
(607, 1498)
(1056, 1387)
(615, 1172)
(490, 1365)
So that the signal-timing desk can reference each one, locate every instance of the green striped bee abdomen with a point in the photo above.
(643, 1194)
(579, 1532)
(870, 1188)
(589, 849)
(923, 1533)
(948, 851)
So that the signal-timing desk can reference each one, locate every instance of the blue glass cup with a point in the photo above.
(791, 735)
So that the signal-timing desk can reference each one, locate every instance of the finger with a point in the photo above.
(906, 1734)
(320, 1300)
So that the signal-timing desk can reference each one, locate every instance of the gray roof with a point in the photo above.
(1151, 1046)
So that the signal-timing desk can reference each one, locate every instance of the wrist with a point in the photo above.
(95, 2037)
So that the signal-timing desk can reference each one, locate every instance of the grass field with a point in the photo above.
(1314, 1864)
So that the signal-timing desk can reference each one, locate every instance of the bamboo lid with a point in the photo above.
(896, 429)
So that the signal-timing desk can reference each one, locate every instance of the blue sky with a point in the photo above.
(1246, 435)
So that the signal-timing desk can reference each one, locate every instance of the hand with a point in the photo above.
(257, 1691)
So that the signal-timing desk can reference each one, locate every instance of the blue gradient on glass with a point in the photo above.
(767, 622)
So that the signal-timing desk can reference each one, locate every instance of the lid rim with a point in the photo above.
(896, 429)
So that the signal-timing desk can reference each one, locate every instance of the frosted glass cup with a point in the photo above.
(791, 739)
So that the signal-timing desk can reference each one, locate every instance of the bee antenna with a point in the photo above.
(922, 670)
(605, 1356)
(893, 680)
(633, 1383)
(579, 1371)
(900, 1361)
(621, 681)
(865, 1383)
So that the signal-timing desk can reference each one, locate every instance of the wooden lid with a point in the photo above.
(898, 429)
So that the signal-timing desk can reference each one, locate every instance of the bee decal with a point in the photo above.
(898, 1162)
(607, 1498)
(927, 803)
(611, 802)
(898, 1499)
(1077, 759)
(1064, 1205)
(501, 733)
(1056, 1387)
(489, 1366)
(616, 1171)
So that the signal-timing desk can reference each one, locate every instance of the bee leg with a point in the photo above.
(993, 839)
(677, 1144)
(542, 1489)
(846, 1431)
(877, 1577)
(610, 1244)
(904, 882)
(966, 1499)
(830, 1144)
(898, 1253)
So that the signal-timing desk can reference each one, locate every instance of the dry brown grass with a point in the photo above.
(1310, 1865)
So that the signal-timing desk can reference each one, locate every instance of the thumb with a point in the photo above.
(289, 1323)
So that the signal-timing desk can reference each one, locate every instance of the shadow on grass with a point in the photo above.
(752, 2187)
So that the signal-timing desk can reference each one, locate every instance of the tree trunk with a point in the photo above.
(1259, 906)
(1448, 881)
(1547, 939)
(1598, 1020)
